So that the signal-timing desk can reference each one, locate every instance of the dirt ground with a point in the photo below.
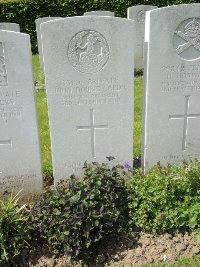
(135, 249)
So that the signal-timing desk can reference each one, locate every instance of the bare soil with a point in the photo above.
(134, 249)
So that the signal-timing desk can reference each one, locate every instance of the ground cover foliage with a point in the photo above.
(15, 232)
(80, 213)
(78, 216)
(24, 12)
(166, 198)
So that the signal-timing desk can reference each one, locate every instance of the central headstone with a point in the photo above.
(20, 163)
(89, 78)
(172, 86)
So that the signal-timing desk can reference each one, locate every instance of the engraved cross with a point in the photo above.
(185, 118)
(92, 127)
(5, 142)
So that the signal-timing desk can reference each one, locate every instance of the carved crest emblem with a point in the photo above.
(141, 16)
(88, 51)
(187, 39)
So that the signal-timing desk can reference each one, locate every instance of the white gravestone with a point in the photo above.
(89, 79)
(137, 13)
(9, 26)
(39, 42)
(100, 13)
(171, 117)
(20, 164)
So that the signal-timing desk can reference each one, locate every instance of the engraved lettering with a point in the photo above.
(178, 157)
(91, 92)
(12, 182)
(181, 78)
(76, 166)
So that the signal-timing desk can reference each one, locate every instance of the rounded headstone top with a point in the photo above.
(100, 13)
(9, 26)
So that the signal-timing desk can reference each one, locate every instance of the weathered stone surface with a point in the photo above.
(20, 164)
(89, 80)
(171, 121)
(9, 26)
(137, 13)
(38, 23)
(100, 13)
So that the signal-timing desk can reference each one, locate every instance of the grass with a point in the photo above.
(138, 85)
(38, 76)
(182, 262)
(44, 133)
(43, 120)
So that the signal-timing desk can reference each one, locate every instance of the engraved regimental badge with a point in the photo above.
(88, 51)
(141, 16)
(187, 39)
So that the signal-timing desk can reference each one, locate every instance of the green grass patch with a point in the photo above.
(43, 119)
(182, 262)
(43, 122)
(38, 76)
(138, 93)
(15, 231)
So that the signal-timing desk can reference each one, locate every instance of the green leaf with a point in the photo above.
(56, 212)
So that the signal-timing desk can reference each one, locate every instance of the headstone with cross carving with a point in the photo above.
(39, 42)
(100, 13)
(20, 164)
(89, 79)
(171, 117)
(137, 13)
